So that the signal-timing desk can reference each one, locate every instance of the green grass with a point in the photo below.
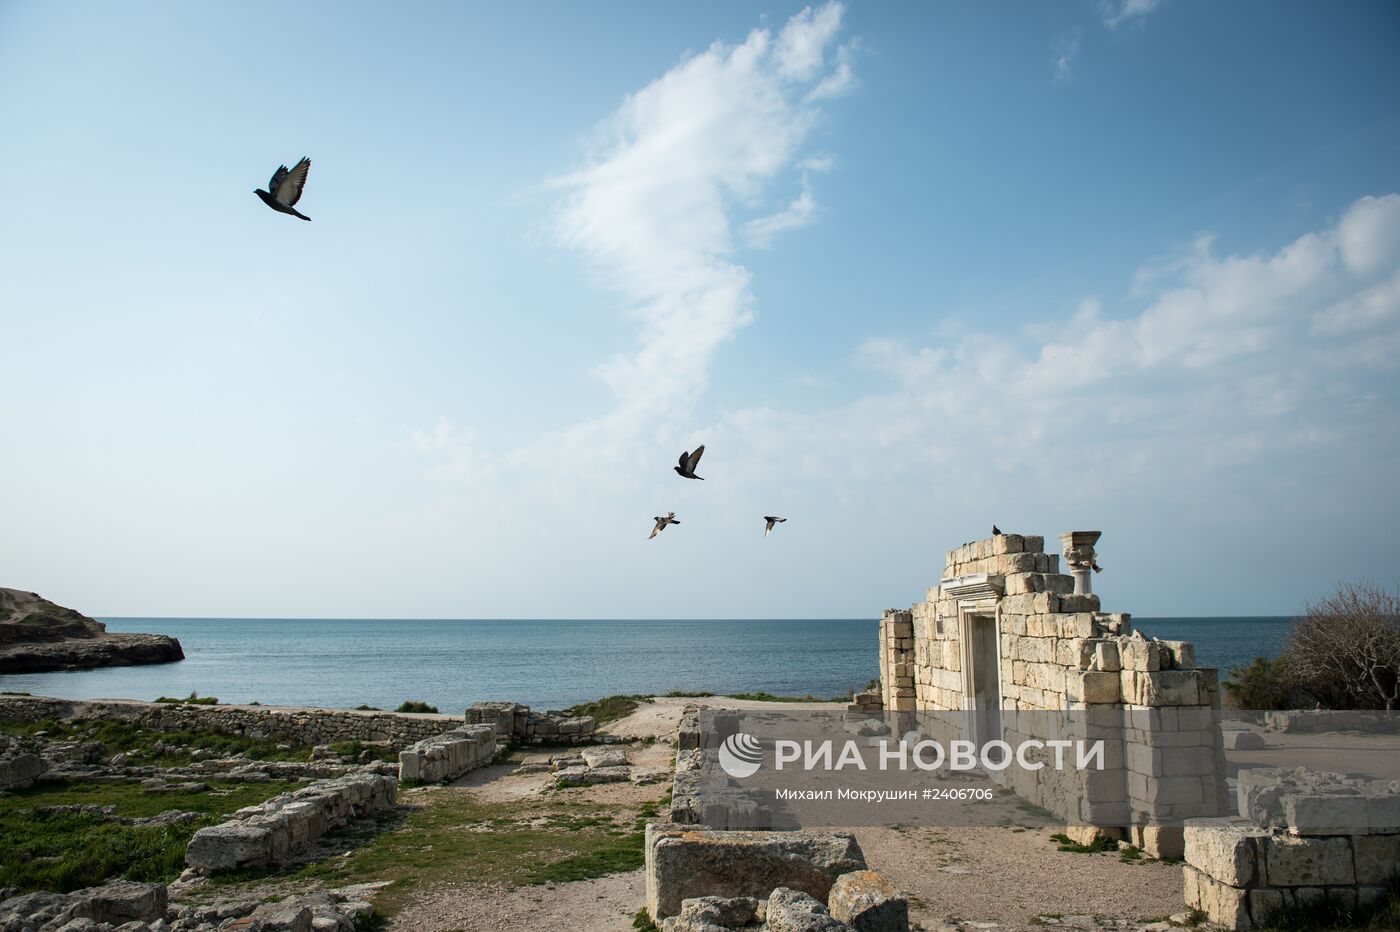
(412, 705)
(684, 694)
(1098, 846)
(608, 709)
(192, 699)
(353, 750)
(642, 922)
(64, 851)
(455, 835)
(140, 743)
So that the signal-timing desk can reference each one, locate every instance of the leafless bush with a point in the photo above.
(1345, 650)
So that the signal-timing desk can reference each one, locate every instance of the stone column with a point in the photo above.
(1078, 547)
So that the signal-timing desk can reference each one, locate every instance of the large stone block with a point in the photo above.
(1227, 849)
(1225, 905)
(868, 903)
(682, 863)
(1324, 814)
(1377, 858)
(1290, 861)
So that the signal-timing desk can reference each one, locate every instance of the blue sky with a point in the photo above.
(906, 269)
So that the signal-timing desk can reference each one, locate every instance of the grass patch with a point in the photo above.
(609, 709)
(1129, 853)
(353, 750)
(368, 708)
(140, 743)
(412, 705)
(455, 835)
(63, 851)
(192, 699)
(685, 694)
(642, 922)
(1098, 846)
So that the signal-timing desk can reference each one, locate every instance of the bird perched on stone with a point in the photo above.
(284, 190)
(662, 522)
(688, 463)
(771, 520)
(996, 531)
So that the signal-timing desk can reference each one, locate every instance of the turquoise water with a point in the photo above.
(544, 664)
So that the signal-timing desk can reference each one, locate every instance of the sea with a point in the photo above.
(545, 664)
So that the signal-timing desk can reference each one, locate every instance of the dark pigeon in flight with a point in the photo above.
(771, 521)
(996, 531)
(688, 463)
(1095, 565)
(662, 522)
(284, 190)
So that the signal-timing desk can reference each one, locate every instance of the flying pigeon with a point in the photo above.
(771, 522)
(1095, 565)
(996, 531)
(662, 522)
(284, 190)
(688, 463)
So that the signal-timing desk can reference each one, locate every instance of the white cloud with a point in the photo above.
(652, 211)
(1065, 48)
(1117, 12)
(802, 211)
(1228, 360)
(1369, 233)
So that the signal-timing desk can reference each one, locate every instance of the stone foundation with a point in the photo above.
(274, 723)
(449, 755)
(1302, 836)
(276, 830)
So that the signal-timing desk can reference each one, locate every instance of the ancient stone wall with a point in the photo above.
(290, 725)
(515, 722)
(276, 830)
(448, 755)
(1301, 836)
(1005, 637)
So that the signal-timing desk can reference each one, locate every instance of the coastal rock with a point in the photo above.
(114, 904)
(37, 636)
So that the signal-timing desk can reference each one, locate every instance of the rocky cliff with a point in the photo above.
(36, 635)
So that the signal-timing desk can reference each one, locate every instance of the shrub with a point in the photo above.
(1345, 650)
(1264, 684)
(411, 705)
(192, 699)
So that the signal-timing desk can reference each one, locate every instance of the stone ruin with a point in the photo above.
(1300, 836)
(516, 723)
(449, 755)
(1006, 638)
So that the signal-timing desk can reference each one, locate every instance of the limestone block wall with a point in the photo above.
(448, 755)
(1057, 652)
(1301, 836)
(273, 723)
(275, 830)
(515, 722)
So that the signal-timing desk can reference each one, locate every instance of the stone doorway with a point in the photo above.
(982, 677)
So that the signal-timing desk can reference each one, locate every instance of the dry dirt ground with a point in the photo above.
(1004, 876)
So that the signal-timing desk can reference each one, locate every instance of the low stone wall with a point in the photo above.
(516, 723)
(868, 701)
(448, 755)
(274, 723)
(683, 862)
(1301, 836)
(1330, 720)
(275, 830)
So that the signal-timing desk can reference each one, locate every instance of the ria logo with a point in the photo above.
(740, 755)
